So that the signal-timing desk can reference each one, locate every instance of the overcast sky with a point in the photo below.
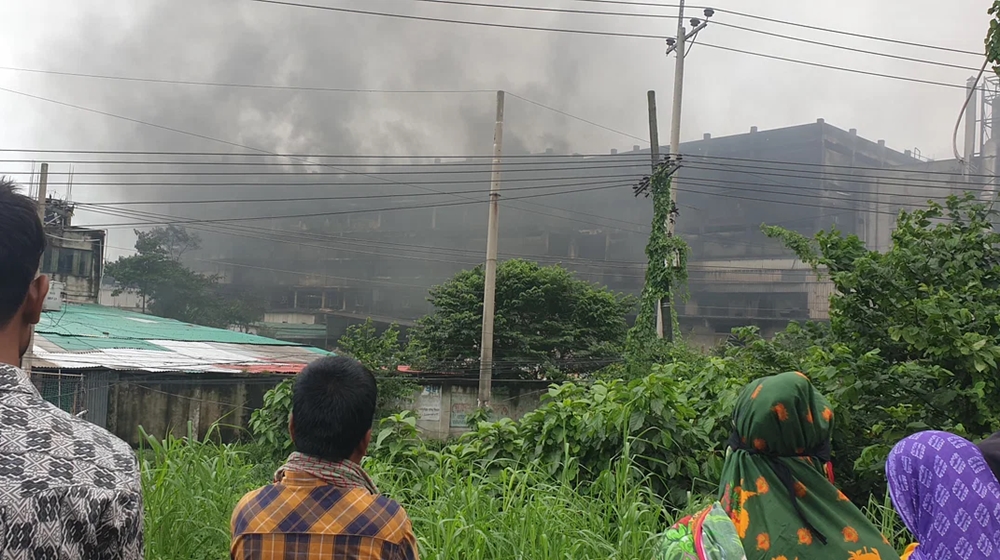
(603, 79)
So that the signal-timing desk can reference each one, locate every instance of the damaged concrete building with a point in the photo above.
(360, 258)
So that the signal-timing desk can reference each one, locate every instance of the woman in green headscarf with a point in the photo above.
(777, 481)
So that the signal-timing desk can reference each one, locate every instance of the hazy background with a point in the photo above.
(603, 79)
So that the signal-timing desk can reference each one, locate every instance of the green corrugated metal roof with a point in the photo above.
(99, 322)
(87, 343)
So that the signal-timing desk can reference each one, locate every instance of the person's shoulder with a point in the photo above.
(112, 461)
(252, 506)
(396, 527)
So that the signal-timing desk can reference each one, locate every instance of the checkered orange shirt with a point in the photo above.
(304, 518)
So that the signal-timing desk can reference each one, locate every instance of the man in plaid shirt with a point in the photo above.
(322, 505)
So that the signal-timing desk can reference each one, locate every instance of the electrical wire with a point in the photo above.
(545, 9)
(367, 210)
(847, 33)
(483, 170)
(242, 230)
(457, 21)
(718, 23)
(821, 65)
(242, 85)
(792, 23)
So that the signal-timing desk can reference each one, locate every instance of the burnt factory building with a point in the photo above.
(377, 249)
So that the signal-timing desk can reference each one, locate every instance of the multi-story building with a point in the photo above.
(357, 257)
(74, 256)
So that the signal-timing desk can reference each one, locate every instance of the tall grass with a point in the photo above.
(190, 487)
(458, 513)
(518, 512)
(488, 511)
(881, 513)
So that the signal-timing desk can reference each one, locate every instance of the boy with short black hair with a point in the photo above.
(322, 504)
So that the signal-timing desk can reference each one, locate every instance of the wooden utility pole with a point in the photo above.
(490, 284)
(654, 152)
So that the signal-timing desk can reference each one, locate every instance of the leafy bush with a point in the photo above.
(380, 353)
(914, 336)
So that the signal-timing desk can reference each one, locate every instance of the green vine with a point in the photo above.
(662, 281)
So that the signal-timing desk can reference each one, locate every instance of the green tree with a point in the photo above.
(170, 289)
(547, 322)
(993, 37)
(914, 332)
(382, 354)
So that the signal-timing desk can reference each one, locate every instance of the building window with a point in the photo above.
(68, 262)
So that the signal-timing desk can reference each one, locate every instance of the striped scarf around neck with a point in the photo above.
(341, 474)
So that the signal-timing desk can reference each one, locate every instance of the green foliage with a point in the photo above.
(993, 37)
(666, 274)
(672, 422)
(382, 354)
(269, 423)
(174, 291)
(914, 334)
(194, 485)
(547, 322)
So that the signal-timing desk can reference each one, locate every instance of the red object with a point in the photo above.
(268, 368)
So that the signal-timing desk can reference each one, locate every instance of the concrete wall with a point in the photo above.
(442, 407)
(166, 405)
(124, 300)
(163, 405)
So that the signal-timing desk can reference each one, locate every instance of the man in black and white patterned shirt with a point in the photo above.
(68, 489)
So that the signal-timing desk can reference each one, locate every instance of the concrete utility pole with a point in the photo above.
(654, 153)
(43, 184)
(490, 284)
(665, 324)
(970, 127)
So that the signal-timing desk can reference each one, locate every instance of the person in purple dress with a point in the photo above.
(947, 497)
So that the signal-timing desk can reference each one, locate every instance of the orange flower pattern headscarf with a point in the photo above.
(777, 481)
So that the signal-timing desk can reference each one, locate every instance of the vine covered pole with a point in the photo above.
(654, 152)
(490, 282)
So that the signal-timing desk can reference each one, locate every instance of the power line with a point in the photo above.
(255, 232)
(605, 33)
(849, 33)
(264, 153)
(545, 9)
(414, 184)
(457, 21)
(327, 173)
(795, 24)
(821, 65)
(313, 198)
(843, 47)
(311, 88)
(711, 184)
(581, 119)
(366, 210)
(202, 136)
(832, 176)
(715, 22)
(243, 85)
